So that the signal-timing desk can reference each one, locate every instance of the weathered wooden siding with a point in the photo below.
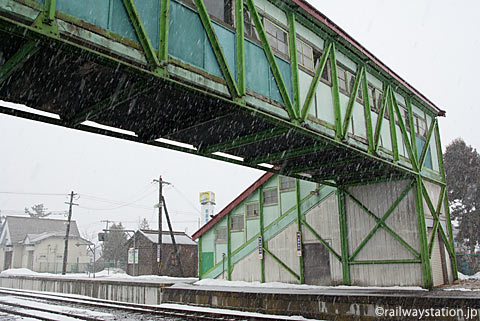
(247, 269)
(382, 246)
(324, 220)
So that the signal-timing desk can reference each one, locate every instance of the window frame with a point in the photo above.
(300, 54)
(221, 241)
(252, 217)
(288, 188)
(276, 24)
(266, 190)
(232, 229)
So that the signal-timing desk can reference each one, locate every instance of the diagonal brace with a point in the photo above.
(18, 59)
(325, 243)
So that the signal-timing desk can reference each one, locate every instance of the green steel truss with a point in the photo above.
(43, 32)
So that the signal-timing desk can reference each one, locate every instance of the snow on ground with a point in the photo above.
(279, 285)
(112, 274)
(469, 277)
(240, 313)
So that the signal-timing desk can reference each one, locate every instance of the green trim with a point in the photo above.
(164, 24)
(406, 261)
(18, 59)
(240, 39)
(273, 63)
(367, 112)
(199, 258)
(282, 264)
(393, 130)
(299, 228)
(403, 130)
(111, 102)
(325, 243)
(314, 84)
(437, 221)
(427, 143)
(142, 35)
(292, 36)
(260, 221)
(217, 50)
(245, 140)
(351, 100)
(342, 214)
(229, 247)
(422, 234)
(46, 22)
(335, 94)
(381, 222)
(49, 11)
(413, 140)
(380, 116)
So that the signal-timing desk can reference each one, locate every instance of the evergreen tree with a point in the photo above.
(144, 225)
(114, 248)
(38, 211)
(462, 170)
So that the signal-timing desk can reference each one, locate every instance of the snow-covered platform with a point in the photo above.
(460, 301)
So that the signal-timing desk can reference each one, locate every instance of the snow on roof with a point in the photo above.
(180, 237)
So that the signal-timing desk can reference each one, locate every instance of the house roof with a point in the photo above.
(240, 198)
(180, 237)
(312, 11)
(19, 227)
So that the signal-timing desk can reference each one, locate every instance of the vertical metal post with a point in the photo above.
(260, 207)
(164, 23)
(422, 234)
(393, 130)
(49, 11)
(413, 139)
(343, 235)
(229, 247)
(134, 252)
(292, 34)
(336, 94)
(367, 111)
(240, 47)
(67, 233)
(446, 203)
(299, 227)
(160, 227)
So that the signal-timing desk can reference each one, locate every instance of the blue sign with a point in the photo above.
(260, 248)
(299, 244)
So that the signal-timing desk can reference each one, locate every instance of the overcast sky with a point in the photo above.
(433, 45)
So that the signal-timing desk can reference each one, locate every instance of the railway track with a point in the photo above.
(45, 306)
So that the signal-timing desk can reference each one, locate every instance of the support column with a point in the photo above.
(422, 234)
(164, 22)
(343, 235)
(229, 247)
(299, 229)
(260, 208)
(240, 47)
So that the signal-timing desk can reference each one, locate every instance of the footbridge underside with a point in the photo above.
(78, 80)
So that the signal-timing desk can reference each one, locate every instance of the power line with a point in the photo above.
(41, 194)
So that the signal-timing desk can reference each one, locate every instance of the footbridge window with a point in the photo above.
(270, 196)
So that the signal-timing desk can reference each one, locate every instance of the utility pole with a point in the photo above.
(65, 252)
(160, 182)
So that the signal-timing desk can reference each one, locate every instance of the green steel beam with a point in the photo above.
(142, 35)
(45, 22)
(260, 221)
(49, 11)
(318, 237)
(352, 99)
(116, 99)
(413, 139)
(393, 130)
(287, 154)
(343, 236)
(217, 50)
(445, 200)
(381, 114)
(381, 223)
(282, 264)
(229, 248)
(427, 144)
(368, 112)
(299, 228)
(336, 95)
(18, 59)
(422, 234)
(240, 40)
(163, 38)
(316, 79)
(292, 36)
(329, 164)
(436, 217)
(245, 140)
(406, 261)
(272, 61)
(406, 139)
(376, 180)
(437, 222)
